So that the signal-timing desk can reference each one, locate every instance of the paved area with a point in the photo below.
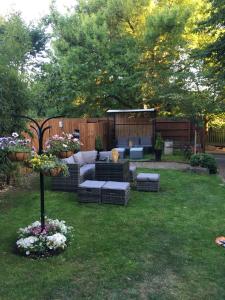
(160, 165)
(220, 158)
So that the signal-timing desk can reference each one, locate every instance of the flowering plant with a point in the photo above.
(33, 241)
(44, 163)
(15, 144)
(66, 142)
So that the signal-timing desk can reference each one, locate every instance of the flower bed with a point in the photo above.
(35, 242)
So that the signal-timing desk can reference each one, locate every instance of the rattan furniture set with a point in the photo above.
(103, 181)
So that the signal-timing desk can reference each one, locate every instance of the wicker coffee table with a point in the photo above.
(112, 171)
(116, 192)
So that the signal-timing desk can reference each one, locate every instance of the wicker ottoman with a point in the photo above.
(114, 192)
(121, 152)
(89, 191)
(136, 153)
(148, 182)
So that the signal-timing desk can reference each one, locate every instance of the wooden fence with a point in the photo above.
(180, 131)
(129, 125)
(89, 129)
(215, 137)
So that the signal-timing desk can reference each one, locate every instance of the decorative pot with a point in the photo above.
(115, 155)
(158, 154)
(98, 154)
(53, 172)
(65, 154)
(18, 156)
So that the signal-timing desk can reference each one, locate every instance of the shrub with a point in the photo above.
(8, 169)
(187, 152)
(204, 160)
(98, 143)
(159, 143)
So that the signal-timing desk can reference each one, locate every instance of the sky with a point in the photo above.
(32, 10)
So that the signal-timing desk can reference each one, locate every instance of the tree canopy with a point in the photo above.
(122, 54)
(18, 43)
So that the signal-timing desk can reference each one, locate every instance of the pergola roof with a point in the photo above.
(130, 110)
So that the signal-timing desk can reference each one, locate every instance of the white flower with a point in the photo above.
(60, 224)
(27, 243)
(35, 224)
(65, 146)
(111, 78)
(120, 77)
(56, 241)
(27, 252)
(15, 134)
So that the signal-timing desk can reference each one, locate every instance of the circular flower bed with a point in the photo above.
(35, 242)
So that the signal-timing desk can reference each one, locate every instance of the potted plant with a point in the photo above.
(63, 146)
(159, 143)
(18, 149)
(98, 145)
(49, 165)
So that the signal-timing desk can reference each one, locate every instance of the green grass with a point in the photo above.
(161, 246)
(176, 157)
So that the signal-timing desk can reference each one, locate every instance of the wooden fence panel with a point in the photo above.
(216, 137)
(134, 130)
(88, 131)
(179, 131)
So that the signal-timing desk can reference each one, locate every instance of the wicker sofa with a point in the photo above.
(142, 141)
(81, 167)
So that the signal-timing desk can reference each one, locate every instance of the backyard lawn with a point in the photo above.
(161, 246)
(178, 156)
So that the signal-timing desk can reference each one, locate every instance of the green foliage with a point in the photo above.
(215, 26)
(7, 168)
(98, 143)
(45, 163)
(187, 152)
(13, 99)
(159, 143)
(18, 43)
(204, 160)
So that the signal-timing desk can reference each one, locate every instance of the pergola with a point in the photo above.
(133, 122)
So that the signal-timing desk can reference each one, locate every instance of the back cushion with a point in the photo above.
(122, 141)
(89, 157)
(134, 140)
(105, 154)
(69, 160)
(78, 158)
(146, 140)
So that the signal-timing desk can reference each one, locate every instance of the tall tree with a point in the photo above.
(17, 44)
